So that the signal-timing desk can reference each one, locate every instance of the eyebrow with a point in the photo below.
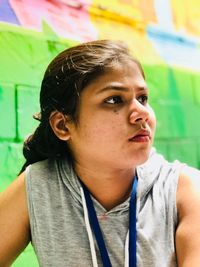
(120, 88)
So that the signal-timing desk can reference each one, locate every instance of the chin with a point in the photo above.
(142, 157)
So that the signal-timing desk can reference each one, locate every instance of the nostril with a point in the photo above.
(138, 119)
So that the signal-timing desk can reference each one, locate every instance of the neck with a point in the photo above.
(108, 188)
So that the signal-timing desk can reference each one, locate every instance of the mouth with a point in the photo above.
(142, 136)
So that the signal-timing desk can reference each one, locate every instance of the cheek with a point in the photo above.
(103, 128)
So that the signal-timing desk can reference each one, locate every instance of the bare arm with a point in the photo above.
(14, 222)
(188, 231)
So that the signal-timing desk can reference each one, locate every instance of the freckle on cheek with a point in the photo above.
(115, 111)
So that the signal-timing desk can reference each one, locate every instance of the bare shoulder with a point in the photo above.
(14, 221)
(188, 193)
(188, 230)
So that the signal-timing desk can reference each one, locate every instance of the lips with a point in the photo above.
(141, 136)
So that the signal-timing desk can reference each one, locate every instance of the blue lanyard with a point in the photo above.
(132, 226)
(98, 233)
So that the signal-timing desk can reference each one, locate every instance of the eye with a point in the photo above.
(143, 99)
(114, 100)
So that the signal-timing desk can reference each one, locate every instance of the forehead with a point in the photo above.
(122, 74)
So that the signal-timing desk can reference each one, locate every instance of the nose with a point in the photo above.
(138, 112)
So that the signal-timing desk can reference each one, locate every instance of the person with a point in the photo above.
(93, 190)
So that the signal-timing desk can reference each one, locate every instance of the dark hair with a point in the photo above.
(66, 76)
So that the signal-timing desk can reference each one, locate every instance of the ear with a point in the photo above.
(58, 122)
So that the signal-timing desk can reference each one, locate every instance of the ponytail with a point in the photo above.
(43, 144)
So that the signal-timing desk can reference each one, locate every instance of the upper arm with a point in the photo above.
(14, 221)
(188, 230)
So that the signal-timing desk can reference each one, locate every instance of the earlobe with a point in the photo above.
(58, 122)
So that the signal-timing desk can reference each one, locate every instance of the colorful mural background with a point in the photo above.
(163, 34)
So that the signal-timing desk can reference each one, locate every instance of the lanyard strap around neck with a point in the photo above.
(98, 233)
(132, 226)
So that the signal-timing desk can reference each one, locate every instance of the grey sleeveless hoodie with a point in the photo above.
(58, 230)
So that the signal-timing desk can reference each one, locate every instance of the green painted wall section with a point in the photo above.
(24, 55)
(174, 96)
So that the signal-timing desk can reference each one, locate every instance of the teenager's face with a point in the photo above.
(113, 111)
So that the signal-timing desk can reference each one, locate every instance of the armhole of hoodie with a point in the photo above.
(177, 167)
(29, 191)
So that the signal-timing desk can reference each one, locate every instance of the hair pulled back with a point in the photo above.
(64, 79)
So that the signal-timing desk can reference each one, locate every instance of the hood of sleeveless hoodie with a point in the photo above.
(147, 174)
